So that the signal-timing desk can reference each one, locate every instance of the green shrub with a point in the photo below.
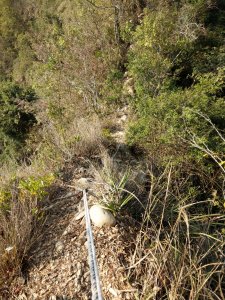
(112, 88)
(175, 116)
(158, 44)
(16, 115)
(35, 187)
(177, 67)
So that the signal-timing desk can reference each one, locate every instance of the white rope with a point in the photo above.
(95, 281)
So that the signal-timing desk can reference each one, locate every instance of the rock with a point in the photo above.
(101, 216)
(123, 118)
(84, 183)
(119, 136)
(128, 87)
(59, 246)
(20, 280)
(79, 215)
(113, 292)
(86, 244)
(9, 248)
(22, 297)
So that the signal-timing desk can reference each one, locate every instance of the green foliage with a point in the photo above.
(118, 196)
(179, 79)
(25, 57)
(16, 115)
(127, 31)
(106, 133)
(5, 196)
(35, 186)
(28, 189)
(175, 116)
(159, 43)
(112, 88)
(9, 28)
(75, 55)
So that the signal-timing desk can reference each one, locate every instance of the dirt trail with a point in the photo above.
(58, 264)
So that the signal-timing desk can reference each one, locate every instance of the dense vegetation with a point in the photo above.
(66, 64)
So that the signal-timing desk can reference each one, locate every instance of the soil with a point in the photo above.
(57, 267)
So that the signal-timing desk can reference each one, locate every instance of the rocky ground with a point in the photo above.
(58, 264)
(58, 267)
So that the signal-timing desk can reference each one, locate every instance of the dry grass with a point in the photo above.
(22, 193)
(82, 137)
(179, 250)
(19, 205)
(89, 132)
(16, 238)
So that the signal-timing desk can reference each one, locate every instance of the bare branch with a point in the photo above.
(206, 150)
(210, 122)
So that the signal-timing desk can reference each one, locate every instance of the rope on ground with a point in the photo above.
(95, 281)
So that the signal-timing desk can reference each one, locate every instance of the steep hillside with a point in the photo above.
(127, 97)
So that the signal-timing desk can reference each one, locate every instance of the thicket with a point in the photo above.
(176, 61)
(16, 118)
(65, 64)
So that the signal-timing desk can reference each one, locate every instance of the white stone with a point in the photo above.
(84, 183)
(128, 87)
(79, 215)
(10, 248)
(101, 216)
(123, 118)
(113, 292)
(59, 246)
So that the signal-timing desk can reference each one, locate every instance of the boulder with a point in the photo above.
(101, 216)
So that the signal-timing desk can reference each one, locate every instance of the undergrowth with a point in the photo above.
(19, 214)
(180, 248)
(25, 189)
(63, 64)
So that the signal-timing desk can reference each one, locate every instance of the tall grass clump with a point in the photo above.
(180, 248)
(19, 215)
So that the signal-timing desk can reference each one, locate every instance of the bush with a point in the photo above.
(160, 42)
(176, 64)
(16, 115)
(179, 90)
(177, 116)
(112, 88)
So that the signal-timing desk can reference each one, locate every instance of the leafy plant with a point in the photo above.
(5, 196)
(112, 88)
(35, 186)
(118, 196)
(16, 115)
(175, 115)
